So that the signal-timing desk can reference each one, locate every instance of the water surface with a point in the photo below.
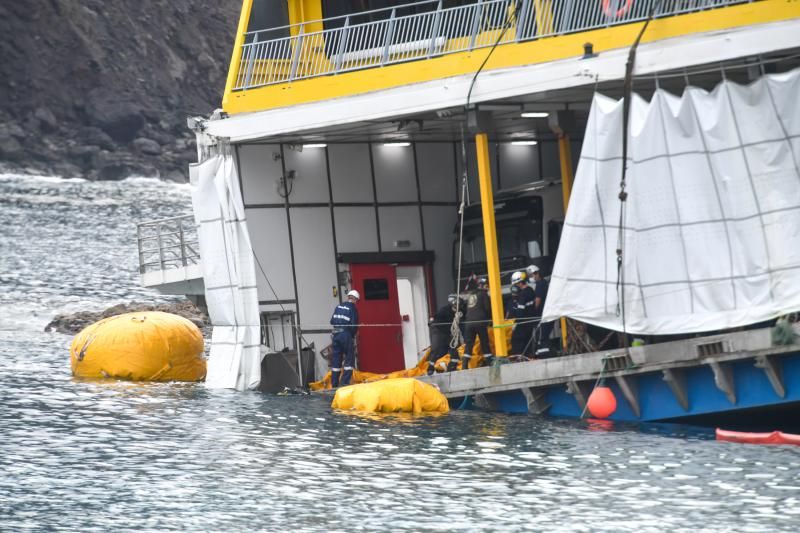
(90, 456)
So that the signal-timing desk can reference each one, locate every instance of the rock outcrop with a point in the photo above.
(74, 322)
(102, 89)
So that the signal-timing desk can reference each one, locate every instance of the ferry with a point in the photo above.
(353, 137)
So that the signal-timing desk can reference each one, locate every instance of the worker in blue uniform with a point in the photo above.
(543, 329)
(345, 327)
(522, 310)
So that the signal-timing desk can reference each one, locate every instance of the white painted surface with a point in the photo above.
(413, 299)
(651, 57)
(437, 173)
(400, 223)
(356, 229)
(260, 171)
(394, 173)
(351, 177)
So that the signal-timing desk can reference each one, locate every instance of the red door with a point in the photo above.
(380, 348)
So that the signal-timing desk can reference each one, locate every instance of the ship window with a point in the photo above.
(267, 15)
(376, 289)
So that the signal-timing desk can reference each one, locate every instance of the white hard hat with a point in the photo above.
(531, 269)
(354, 294)
(516, 277)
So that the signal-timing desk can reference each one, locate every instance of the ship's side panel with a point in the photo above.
(357, 230)
(395, 179)
(400, 228)
(439, 223)
(519, 164)
(436, 164)
(351, 175)
(315, 268)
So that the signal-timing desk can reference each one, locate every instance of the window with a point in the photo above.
(376, 289)
(268, 14)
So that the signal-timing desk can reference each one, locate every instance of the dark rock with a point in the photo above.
(83, 72)
(121, 121)
(97, 137)
(75, 322)
(177, 176)
(47, 120)
(10, 148)
(147, 146)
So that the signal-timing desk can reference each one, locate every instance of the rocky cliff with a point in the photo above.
(102, 89)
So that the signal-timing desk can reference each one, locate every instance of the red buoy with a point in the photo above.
(602, 403)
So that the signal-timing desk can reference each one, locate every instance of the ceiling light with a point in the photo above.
(523, 143)
(535, 114)
(397, 144)
(315, 145)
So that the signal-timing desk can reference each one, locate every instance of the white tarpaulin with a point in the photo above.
(712, 229)
(229, 275)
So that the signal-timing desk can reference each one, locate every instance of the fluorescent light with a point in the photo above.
(535, 114)
(315, 145)
(397, 144)
(523, 143)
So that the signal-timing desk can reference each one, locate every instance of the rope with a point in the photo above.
(456, 338)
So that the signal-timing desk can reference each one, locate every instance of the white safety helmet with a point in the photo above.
(517, 277)
(354, 294)
(532, 269)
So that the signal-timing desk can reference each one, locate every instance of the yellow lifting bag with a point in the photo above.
(399, 395)
(146, 346)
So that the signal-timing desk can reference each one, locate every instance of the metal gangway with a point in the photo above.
(169, 255)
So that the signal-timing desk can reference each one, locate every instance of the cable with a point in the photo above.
(456, 338)
(623, 195)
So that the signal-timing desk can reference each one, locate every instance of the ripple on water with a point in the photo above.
(82, 455)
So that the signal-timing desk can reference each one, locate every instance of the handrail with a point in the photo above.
(167, 243)
(360, 41)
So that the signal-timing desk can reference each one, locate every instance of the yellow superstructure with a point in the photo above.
(301, 58)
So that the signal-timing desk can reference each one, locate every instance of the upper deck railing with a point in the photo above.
(167, 243)
(426, 29)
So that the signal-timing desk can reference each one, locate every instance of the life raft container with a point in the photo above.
(774, 437)
(142, 346)
(400, 395)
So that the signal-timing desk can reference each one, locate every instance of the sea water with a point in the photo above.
(105, 456)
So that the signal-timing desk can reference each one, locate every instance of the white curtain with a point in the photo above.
(229, 275)
(712, 229)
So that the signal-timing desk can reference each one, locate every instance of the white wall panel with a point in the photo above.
(395, 179)
(351, 176)
(311, 175)
(270, 239)
(260, 172)
(315, 265)
(472, 167)
(437, 173)
(551, 164)
(439, 225)
(356, 229)
(400, 223)
(518, 164)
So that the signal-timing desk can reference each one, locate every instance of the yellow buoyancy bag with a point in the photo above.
(400, 395)
(146, 346)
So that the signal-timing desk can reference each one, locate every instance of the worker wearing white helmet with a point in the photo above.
(345, 327)
(522, 311)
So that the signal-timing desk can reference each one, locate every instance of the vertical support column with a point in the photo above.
(233, 69)
(565, 158)
(490, 238)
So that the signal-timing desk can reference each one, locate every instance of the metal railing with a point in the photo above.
(426, 29)
(167, 243)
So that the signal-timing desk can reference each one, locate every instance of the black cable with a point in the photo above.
(627, 91)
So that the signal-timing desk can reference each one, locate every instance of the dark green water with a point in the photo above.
(87, 456)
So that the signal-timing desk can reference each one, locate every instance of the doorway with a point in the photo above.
(393, 312)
